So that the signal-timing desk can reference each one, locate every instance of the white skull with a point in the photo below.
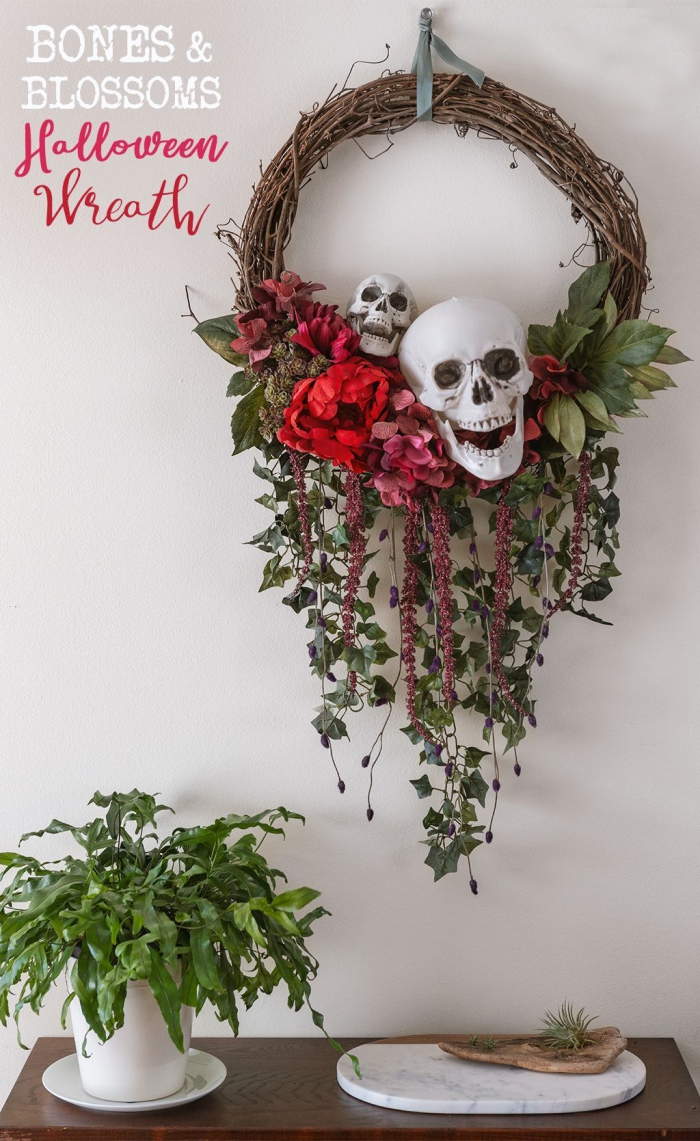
(380, 310)
(465, 359)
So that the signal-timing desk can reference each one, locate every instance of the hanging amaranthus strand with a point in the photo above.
(576, 548)
(304, 523)
(408, 615)
(503, 585)
(443, 584)
(355, 516)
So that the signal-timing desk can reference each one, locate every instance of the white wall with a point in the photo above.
(135, 647)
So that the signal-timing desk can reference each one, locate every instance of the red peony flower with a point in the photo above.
(280, 299)
(551, 376)
(408, 452)
(255, 339)
(322, 330)
(331, 416)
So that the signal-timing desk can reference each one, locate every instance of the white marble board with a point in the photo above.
(421, 1078)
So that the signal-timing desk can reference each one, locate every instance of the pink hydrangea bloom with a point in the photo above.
(407, 462)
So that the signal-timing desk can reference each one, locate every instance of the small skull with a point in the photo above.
(380, 310)
(466, 359)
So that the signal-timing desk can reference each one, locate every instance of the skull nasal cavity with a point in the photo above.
(448, 374)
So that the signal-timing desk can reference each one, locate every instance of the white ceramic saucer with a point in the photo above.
(204, 1074)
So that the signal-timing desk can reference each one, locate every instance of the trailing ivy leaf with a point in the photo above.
(245, 422)
(611, 509)
(381, 690)
(423, 786)
(372, 584)
(671, 355)
(474, 787)
(596, 591)
(218, 333)
(238, 385)
(633, 342)
(585, 293)
(530, 560)
(524, 489)
(572, 426)
(558, 340)
(474, 756)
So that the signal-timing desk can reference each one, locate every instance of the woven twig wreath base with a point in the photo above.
(385, 106)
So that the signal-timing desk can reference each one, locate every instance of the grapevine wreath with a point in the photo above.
(381, 429)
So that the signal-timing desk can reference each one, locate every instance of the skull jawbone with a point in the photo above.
(490, 468)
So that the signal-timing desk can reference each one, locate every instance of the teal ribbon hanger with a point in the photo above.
(422, 66)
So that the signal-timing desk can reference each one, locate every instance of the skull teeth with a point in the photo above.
(505, 446)
(486, 425)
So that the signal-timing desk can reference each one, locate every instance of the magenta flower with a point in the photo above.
(255, 337)
(281, 299)
(407, 462)
(323, 331)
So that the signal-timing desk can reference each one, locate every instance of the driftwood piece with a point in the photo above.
(529, 1052)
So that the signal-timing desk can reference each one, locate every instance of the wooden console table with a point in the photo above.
(284, 1089)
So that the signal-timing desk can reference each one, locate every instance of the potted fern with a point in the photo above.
(149, 930)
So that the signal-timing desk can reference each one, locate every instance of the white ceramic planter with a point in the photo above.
(140, 1062)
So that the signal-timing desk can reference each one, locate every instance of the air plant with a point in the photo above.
(489, 1043)
(566, 1030)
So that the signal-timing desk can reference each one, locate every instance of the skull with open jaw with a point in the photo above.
(466, 360)
(380, 310)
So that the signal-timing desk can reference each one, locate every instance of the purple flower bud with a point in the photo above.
(476, 605)
(370, 813)
(540, 660)
(472, 548)
(536, 580)
(430, 528)
(493, 697)
(327, 503)
(331, 677)
(484, 611)
(435, 666)
(536, 513)
(341, 786)
(365, 761)
(422, 547)
(477, 577)
(548, 489)
(381, 701)
(429, 606)
(383, 535)
(488, 723)
(449, 769)
(393, 597)
(545, 630)
(488, 837)
(323, 560)
(438, 630)
(549, 550)
(325, 741)
(532, 720)
(496, 785)
(550, 606)
(321, 622)
(452, 829)
(487, 668)
(312, 651)
(516, 769)
(539, 541)
(473, 885)
(454, 695)
(438, 749)
(313, 595)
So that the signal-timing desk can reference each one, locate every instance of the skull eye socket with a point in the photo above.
(398, 302)
(448, 374)
(501, 364)
(371, 293)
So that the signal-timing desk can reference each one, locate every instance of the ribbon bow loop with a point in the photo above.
(422, 66)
